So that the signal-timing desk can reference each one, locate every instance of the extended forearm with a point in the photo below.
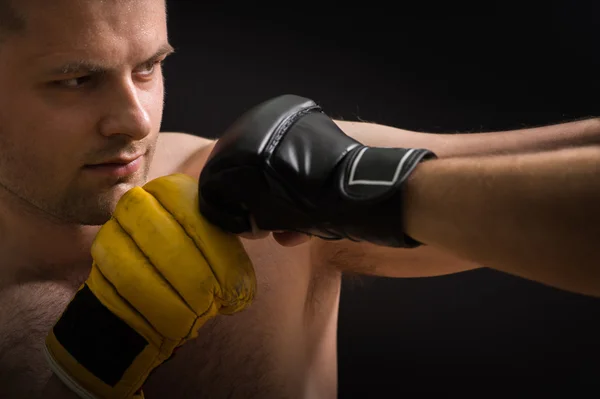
(533, 215)
(565, 135)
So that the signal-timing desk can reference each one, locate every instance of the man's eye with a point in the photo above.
(73, 83)
(149, 68)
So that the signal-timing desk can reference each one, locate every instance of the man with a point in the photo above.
(86, 86)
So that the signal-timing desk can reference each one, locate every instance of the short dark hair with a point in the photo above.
(10, 19)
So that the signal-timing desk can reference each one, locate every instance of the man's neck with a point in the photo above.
(34, 245)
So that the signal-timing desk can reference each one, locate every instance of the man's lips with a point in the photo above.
(117, 167)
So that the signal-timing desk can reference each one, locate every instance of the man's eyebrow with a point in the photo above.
(84, 66)
(163, 51)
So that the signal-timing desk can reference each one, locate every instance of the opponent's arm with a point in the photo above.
(533, 215)
(425, 261)
(289, 167)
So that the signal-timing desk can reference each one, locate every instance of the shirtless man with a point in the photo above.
(81, 84)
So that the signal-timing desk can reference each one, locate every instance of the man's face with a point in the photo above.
(79, 87)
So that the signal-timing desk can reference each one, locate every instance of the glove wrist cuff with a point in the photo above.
(96, 354)
(372, 183)
(373, 171)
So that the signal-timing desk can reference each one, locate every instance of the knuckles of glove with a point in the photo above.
(276, 165)
(172, 265)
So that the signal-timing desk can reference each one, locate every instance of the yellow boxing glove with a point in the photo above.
(159, 272)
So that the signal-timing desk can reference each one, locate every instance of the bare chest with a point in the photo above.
(27, 314)
(282, 346)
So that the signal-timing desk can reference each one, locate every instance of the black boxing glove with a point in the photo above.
(291, 168)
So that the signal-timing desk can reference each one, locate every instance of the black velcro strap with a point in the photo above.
(100, 341)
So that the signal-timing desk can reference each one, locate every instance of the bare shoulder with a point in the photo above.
(179, 153)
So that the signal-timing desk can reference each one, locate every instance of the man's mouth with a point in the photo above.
(117, 167)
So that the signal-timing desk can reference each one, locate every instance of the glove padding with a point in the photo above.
(160, 271)
(288, 166)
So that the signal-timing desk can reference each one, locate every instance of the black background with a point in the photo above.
(425, 67)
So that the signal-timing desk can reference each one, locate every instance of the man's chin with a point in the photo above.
(114, 195)
(99, 211)
(95, 204)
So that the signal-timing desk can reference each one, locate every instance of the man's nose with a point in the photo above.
(127, 111)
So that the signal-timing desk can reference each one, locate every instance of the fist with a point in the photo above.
(160, 271)
(286, 166)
